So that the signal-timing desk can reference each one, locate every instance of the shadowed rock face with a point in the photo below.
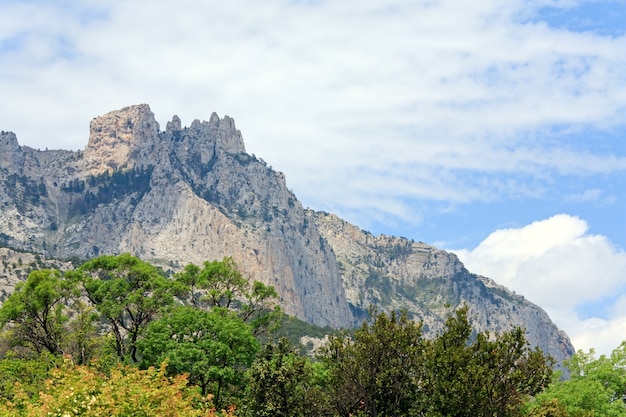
(189, 194)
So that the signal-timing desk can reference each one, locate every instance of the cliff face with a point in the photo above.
(189, 194)
(184, 195)
(396, 273)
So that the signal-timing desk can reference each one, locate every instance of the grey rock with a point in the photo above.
(190, 194)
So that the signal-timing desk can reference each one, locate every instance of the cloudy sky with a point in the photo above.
(495, 128)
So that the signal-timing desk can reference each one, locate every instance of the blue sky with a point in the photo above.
(494, 128)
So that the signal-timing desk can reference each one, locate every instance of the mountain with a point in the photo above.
(190, 194)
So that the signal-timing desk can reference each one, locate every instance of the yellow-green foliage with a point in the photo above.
(74, 390)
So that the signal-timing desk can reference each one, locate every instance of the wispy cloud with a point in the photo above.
(593, 195)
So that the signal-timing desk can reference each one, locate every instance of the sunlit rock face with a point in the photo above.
(190, 194)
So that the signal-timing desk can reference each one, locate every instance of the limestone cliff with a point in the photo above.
(189, 194)
(396, 273)
(184, 195)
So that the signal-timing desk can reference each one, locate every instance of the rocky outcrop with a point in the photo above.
(190, 194)
(115, 136)
(184, 195)
(15, 267)
(393, 273)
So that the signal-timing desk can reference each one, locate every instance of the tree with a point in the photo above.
(387, 368)
(221, 284)
(129, 293)
(217, 284)
(37, 311)
(282, 383)
(83, 339)
(596, 387)
(491, 375)
(212, 347)
(376, 371)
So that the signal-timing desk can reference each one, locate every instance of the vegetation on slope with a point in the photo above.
(116, 337)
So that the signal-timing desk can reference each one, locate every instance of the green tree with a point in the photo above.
(221, 284)
(482, 374)
(216, 284)
(596, 387)
(84, 340)
(37, 311)
(129, 293)
(212, 347)
(190, 278)
(377, 371)
(282, 383)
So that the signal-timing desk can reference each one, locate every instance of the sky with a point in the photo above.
(491, 128)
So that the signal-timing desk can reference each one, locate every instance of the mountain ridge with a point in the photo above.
(188, 194)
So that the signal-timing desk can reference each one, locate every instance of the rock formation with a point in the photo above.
(190, 194)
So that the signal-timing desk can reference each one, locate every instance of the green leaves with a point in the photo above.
(281, 383)
(387, 368)
(121, 309)
(376, 371)
(220, 284)
(129, 293)
(212, 347)
(491, 375)
(597, 386)
(37, 311)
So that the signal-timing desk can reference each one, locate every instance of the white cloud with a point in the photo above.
(558, 265)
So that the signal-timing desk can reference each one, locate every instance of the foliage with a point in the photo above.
(29, 374)
(120, 309)
(129, 293)
(221, 284)
(37, 311)
(82, 391)
(211, 347)
(23, 190)
(597, 386)
(293, 329)
(377, 371)
(552, 408)
(489, 376)
(84, 340)
(281, 383)
(108, 186)
(387, 368)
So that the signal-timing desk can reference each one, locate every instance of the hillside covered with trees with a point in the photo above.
(117, 337)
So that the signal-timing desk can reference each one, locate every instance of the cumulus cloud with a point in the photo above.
(557, 264)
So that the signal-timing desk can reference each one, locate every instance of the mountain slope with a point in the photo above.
(188, 194)
(396, 273)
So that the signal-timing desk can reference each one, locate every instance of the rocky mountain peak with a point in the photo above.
(8, 141)
(114, 136)
(191, 194)
(173, 126)
(10, 152)
(223, 131)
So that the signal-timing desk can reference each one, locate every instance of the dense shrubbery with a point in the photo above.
(116, 337)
